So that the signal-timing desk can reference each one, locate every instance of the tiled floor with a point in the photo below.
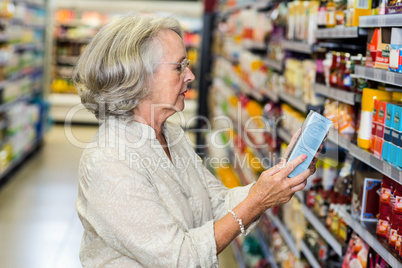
(39, 227)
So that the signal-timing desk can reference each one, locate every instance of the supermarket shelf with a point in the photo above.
(67, 59)
(276, 65)
(285, 234)
(28, 46)
(13, 165)
(238, 255)
(7, 105)
(293, 101)
(378, 164)
(284, 135)
(253, 45)
(338, 139)
(309, 255)
(271, 95)
(337, 94)
(371, 240)
(297, 47)
(297, 103)
(339, 32)
(389, 20)
(379, 75)
(322, 230)
(266, 250)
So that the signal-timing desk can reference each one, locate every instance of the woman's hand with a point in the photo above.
(274, 187)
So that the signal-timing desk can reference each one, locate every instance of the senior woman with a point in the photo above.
(144, 199)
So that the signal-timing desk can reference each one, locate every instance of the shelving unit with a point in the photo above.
(298, 47)
(371, 239)
(297, 103)
(346, 39)
(276, 65)
(378, 164)
(389, 20)
(379, 75)
(23, 37)
(338, 139)
(322, 230)
(238, 255)
(337, 94)
(339, 33)
(266, 250)
(309, 255)
(285, 234)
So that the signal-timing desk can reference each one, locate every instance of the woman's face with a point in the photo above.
(169, 85)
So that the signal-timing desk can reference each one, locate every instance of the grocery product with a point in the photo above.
(364, 135)
(309, 139)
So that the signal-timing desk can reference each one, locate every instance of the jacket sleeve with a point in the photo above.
(124, 209)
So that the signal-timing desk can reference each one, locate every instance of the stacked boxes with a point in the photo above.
(396, 135)
(379, 126)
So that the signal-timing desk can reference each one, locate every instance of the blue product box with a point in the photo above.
(312, 134)
(395, 58)
(387, 131)
(395, 136)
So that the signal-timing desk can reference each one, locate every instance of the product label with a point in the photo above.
(395, 137)
(388, 115)
(387, 134)
(396, 118)
(382, 228)
(392, 237)
(380, 131)
(398, 204)
(381, 113)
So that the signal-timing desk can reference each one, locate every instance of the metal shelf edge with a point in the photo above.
(379, 75)
(389, 20)
(265, 249)
(337, 32)
(371, 240)
(293, 101)
(285, 234)
(298, 47)
(322, 230)
(238, 256)
(337, 94)
(309, 255)
(376, 163)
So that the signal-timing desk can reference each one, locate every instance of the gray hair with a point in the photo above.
(113, 71)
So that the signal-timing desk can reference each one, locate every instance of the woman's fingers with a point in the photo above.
(275, 169)
(301, 178)
(293, 164)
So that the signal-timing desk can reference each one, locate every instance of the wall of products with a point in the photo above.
(23, 110)
(274, 62)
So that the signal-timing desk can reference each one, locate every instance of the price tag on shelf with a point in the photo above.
(377, 74)
(386, 169)
(381, 21)
(390, 77)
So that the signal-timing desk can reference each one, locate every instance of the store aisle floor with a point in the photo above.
(39, 226)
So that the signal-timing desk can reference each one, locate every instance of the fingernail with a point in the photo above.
(304, 157)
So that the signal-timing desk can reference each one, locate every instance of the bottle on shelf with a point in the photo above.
(333, 71)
